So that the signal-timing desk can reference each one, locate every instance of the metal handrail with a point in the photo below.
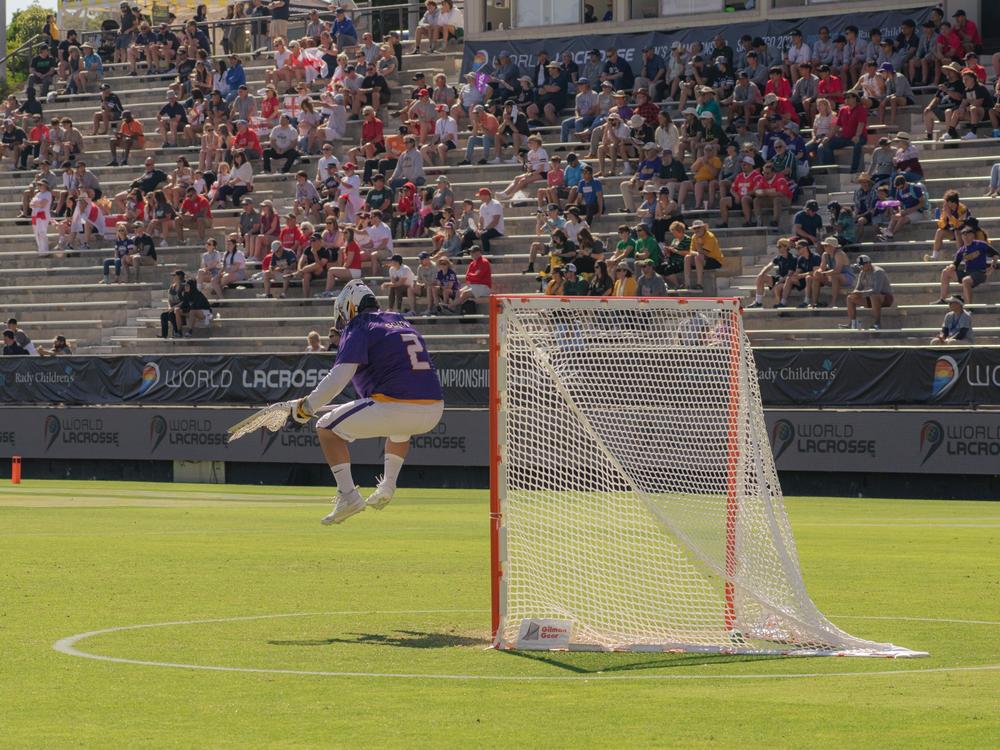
(29, 45)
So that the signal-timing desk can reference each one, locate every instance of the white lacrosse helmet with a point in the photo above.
(349, 300)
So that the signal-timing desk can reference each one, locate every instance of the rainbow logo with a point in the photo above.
(150, 377)
(945, 376)
(479, 60)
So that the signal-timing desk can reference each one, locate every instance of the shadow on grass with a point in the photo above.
(596, 662)
(397, 639)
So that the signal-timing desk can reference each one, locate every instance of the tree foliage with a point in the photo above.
(24, 25)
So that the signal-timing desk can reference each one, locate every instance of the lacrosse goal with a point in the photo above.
(634, 499)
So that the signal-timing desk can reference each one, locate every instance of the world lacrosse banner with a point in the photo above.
(863, 377)
(481, 56)
(205, 379)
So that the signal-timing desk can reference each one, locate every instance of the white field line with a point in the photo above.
(68, 646)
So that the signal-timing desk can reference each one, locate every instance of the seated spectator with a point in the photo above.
(280, 265)
(590, 194)
(705, 171)
(313, 345)
(873, 290)
(773, 190)
(834, 271)
(173, 316)
(450, 22)
(899, 93)
(806, 261)
(42, 70)
(172, 119)
(11, 348)
(948, 96)
(536, 165)
(774, 272)
(60, 347)
(144, 253)
(195, 213)
(234, 266)
(444, 139)
(478, 280)
(625, 284)
(953, 215)
(880, 165)
(556, 282)
(649, 283)
(129, 137)
(20, 337)
(705, 254)
(741, 192)
(488, 226)
(314, 262)
(428, 27)
(957, 325)
(423, 287)
(911, 199)
(409, 166)
(444, 292)
(974, 262)
(974, 107)
(196, 308)
(282, 142)
(211, 265)
(350, 266)
(401, 286)
(124, 247)
(807, 223)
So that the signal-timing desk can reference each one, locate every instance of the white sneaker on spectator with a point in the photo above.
(515, 160)
(497, 160)
(627, 169)
(381, 496)
(345, 507)
(970, 136)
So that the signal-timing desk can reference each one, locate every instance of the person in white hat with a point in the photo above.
(834, 271)
(613, 142)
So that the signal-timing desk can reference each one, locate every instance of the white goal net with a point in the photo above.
(636, 504)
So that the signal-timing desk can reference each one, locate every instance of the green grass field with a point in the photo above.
(330, 617)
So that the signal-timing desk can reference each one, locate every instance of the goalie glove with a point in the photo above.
(300, 411)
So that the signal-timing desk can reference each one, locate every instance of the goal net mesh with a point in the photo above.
(638, 495)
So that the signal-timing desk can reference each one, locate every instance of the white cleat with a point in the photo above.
(381, 496)
(346, 506)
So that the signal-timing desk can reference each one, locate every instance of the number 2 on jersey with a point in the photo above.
(414, 348)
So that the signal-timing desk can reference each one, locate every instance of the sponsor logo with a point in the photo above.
(157, 431)
(543, 633)
(819, 439)
(89, 431)
(184, 431)
(43, 377)
(150, 378)
(290, 436)
(931, 438)
(438, 439)
(946, 372)
(782, 435)
(817, 379)
(457, 377)
(976, 441)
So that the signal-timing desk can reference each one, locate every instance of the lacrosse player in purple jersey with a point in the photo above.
(399, 395)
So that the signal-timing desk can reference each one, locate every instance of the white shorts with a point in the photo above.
(368, 418)
(479, 290)
(355, 273)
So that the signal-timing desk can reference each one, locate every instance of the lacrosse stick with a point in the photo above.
(272, 417)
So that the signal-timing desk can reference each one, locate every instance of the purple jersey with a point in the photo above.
(391, 357)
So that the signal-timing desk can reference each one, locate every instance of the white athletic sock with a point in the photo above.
(342, 473)
(758, 299)
(393, 464)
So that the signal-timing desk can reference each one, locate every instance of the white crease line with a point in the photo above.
(68, 646)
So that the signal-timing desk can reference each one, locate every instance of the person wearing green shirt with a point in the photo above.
(574, 286)
(646, 247)
(625, 247)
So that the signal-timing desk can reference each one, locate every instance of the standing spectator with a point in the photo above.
(478, 279)
(873, 290)
(974, 261)
(172, 316)
(957, 325)
(41, 212)
(851, 129)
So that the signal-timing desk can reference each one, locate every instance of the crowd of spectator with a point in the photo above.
(727, 133)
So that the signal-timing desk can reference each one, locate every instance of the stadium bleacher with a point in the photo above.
(60, 294)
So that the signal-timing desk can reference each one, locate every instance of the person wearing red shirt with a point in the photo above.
(372, 137)
(247, 140)
(967, 32)
(774, 190)
(478, 279)
(972, 63)
(830, 86)
(851, 129)
(196, 214)
(741, 192)
(644, 107)
(777, 84)
(290, 236)
(948, 45)
(776, 105)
